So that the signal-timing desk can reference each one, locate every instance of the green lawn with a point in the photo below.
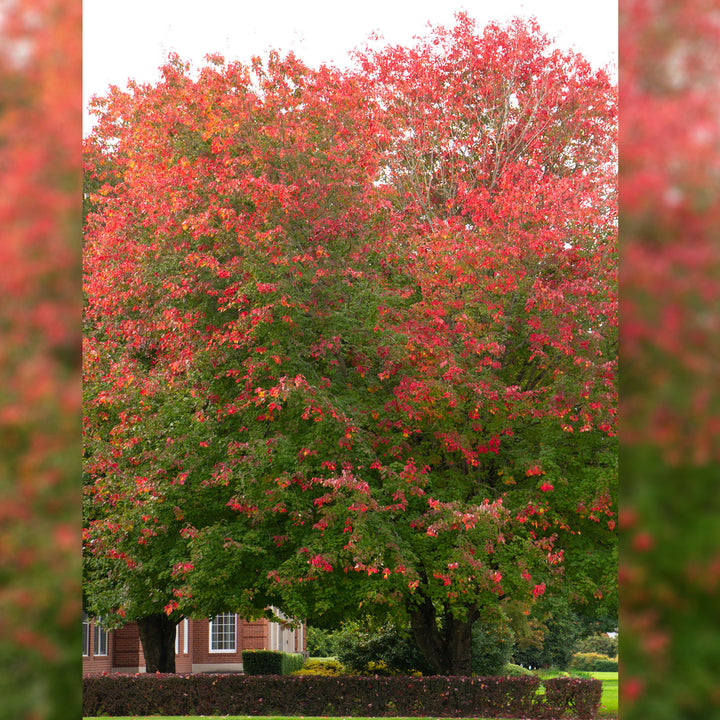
(609, 699)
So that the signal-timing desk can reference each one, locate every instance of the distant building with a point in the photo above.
(213, 645)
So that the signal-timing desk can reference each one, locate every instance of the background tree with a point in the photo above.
(378, 374)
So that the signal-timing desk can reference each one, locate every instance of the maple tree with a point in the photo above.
(351, 337)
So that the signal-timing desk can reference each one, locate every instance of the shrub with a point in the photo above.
(206, 694)
(357, 649)
(262, 662)
(492, 648)
(331, 668)
(270, 662)
(599, 643)
(291, 662)
(580, 697)
(512, 670)
(593, 662)
(320, 643)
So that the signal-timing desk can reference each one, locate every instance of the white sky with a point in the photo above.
(132, 38)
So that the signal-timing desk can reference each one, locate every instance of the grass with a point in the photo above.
(609, 698)
(608, 707)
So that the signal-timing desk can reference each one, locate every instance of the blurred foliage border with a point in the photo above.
(669, 351)
(670, 335)
(40, 394)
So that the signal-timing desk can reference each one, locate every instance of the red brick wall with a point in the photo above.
(93, 663)
(201, 644)
(127, 647)
(255, 634)
(183, 661)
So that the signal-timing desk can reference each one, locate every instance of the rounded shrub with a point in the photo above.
(598, 643)
(512, 670)
(492, 647)
(593, 662)
(361, 651)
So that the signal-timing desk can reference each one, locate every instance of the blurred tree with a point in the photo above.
(40, 120)
(670, 145)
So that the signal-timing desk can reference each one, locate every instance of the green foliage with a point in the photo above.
(510, 670)
(492, 648)
(328, 667)
(386, 651)
(270, 662)
(320, 643)
(555, 647)
(603, 644)
(593, 662)
(291, 662)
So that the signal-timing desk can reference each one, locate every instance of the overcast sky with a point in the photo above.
(132, 39)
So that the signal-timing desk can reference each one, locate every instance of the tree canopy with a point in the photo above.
(351, 337)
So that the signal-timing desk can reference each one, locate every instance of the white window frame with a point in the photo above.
(226, 622)
(185, 636)
(100, 639)
(86, 635)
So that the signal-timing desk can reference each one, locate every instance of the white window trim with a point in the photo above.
(210, 638)
(99, 631)
(185, 636)
(86, 635)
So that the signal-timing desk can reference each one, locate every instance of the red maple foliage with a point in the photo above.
(354, 325)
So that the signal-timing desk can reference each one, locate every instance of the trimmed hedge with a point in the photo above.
(210, 694)
(581, 697)
(270, 662)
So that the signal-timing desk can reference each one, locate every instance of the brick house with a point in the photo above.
(213, 645)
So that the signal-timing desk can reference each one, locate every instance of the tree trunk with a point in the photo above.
(447, 649)
(423, 621)
(157, 634)
(458, 640)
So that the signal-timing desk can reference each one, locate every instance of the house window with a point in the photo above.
(222, 633)
(185, 636)
(86, 635)
(101, 638)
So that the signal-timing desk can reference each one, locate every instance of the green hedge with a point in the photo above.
(208, 694)
(594, 662)
(270, 662)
